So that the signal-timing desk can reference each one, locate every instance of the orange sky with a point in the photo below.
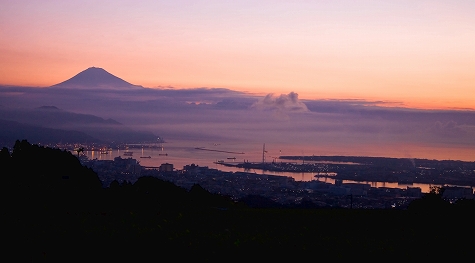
(418, 53)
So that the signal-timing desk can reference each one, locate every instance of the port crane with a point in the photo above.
(264, 153)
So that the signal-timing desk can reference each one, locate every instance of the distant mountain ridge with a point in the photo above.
(48, 124)
(13, 131)
(96, 78)
(53, 117)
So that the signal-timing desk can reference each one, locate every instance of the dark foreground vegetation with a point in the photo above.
(55, 209)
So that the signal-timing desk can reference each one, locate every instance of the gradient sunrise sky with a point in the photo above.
(417, 53)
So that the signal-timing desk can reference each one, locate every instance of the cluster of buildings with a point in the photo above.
(280, 189)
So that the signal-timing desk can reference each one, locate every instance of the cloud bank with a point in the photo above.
(283, 103)
(320, 127)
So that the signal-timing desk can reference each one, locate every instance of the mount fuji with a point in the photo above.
(96, 78)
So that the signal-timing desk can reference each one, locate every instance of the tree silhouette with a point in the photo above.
(431, 202)
(4, 156)
(437, 190)
(80, 149)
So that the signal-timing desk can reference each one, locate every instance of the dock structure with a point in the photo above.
(213, 150)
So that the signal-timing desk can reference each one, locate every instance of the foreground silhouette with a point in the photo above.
(56, 209)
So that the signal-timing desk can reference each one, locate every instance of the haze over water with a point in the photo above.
(185, 153)
(111, 109)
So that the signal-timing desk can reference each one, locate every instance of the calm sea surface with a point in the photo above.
(207, 154)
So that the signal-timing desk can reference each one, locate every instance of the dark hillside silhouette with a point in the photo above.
(56, 209)
(433, 204)
(49, 176)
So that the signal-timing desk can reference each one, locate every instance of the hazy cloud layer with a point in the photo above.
(282, 103)
(281, 121)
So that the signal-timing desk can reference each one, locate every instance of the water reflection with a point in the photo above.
(181, 155)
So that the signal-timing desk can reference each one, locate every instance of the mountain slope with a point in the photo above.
(95, 78)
